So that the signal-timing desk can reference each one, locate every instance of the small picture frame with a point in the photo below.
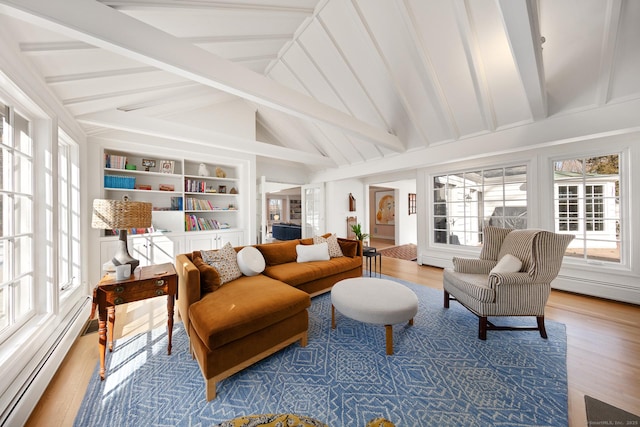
(222, 189)
(166, 166)
(148, 163)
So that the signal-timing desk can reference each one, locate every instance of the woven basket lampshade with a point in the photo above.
(120, 214)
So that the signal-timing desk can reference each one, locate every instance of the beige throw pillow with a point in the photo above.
(307, 253)
(332, 242)
(225, 261)
(507, 264)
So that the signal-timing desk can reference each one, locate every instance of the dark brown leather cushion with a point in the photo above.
(349, 247)
(209, 277)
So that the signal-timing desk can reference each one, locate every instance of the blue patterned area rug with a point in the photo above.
(440, 375)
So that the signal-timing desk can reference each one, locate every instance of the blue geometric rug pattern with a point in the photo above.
(441, 374)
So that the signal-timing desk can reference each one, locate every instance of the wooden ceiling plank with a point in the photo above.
(204, 5)
(520, 19)
(136, 123)
(97, 24)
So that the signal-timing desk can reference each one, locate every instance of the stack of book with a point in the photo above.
(199, 205)
(115, 162)
(194, 223)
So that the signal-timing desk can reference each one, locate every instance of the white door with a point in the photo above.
(313, 219)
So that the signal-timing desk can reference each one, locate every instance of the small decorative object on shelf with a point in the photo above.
(220, 173)
(166, 166)
(203, 170)
(148, 163)
(222, 189)
(166, 187)
(143, 187)
(233, 190)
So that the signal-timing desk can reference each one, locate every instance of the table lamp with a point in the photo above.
(121, 215)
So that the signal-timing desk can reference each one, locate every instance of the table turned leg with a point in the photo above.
(102, 338)
(170, 304)
(112, 321)
(389, 330)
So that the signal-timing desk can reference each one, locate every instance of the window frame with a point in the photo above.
(474, 197)
(581, 215)
(69, 225)
(17, 190)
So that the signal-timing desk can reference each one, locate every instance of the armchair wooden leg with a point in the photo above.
(543, 330)
(446, 299)
(482, 328)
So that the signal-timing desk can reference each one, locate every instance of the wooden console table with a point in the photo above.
(145, 282)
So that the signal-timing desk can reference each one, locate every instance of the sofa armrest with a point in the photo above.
(473, 265)
(516, 279)
(188, 287)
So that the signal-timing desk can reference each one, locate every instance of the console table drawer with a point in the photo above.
(135, 291)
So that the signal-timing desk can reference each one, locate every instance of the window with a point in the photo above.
(69, 213)
(17, 294)
(463, 203)
(587, 204)
(275, 210)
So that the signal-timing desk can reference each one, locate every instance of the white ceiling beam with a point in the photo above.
(520, 19)
(65, 78)
(470, 44)
(136, 123)
(610, 36)
(100, 25)
(36, 47)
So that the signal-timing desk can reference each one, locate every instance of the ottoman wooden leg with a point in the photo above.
(389, 330)
(333, 317)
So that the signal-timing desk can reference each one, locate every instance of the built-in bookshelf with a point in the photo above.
(295, 210)
(185, 195)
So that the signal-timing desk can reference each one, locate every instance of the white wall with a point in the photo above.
(337, 205)
(406, 225)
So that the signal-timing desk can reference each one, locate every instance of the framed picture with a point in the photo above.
(222, 189)
(148, 163)
(166, 166)
(385, 208)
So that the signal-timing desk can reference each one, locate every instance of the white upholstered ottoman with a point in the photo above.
(372, 300)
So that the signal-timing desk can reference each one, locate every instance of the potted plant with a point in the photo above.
(357, 230)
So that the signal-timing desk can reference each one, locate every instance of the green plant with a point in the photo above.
(357, 230)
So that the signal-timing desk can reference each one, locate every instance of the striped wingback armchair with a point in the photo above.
(512, 277)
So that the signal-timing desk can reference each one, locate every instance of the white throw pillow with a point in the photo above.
(507, 264)
(332, 241)
(225, 261)
(319, 252)
(250, 261)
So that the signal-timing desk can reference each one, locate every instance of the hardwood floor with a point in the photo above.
(603, 349)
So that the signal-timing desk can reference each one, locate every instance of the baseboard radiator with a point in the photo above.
(20, 407)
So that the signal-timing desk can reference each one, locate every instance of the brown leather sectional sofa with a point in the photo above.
(252, 317)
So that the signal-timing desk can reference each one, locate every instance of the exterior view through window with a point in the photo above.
(463, 203)
(587, 205)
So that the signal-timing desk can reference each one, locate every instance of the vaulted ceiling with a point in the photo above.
(335, 83)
